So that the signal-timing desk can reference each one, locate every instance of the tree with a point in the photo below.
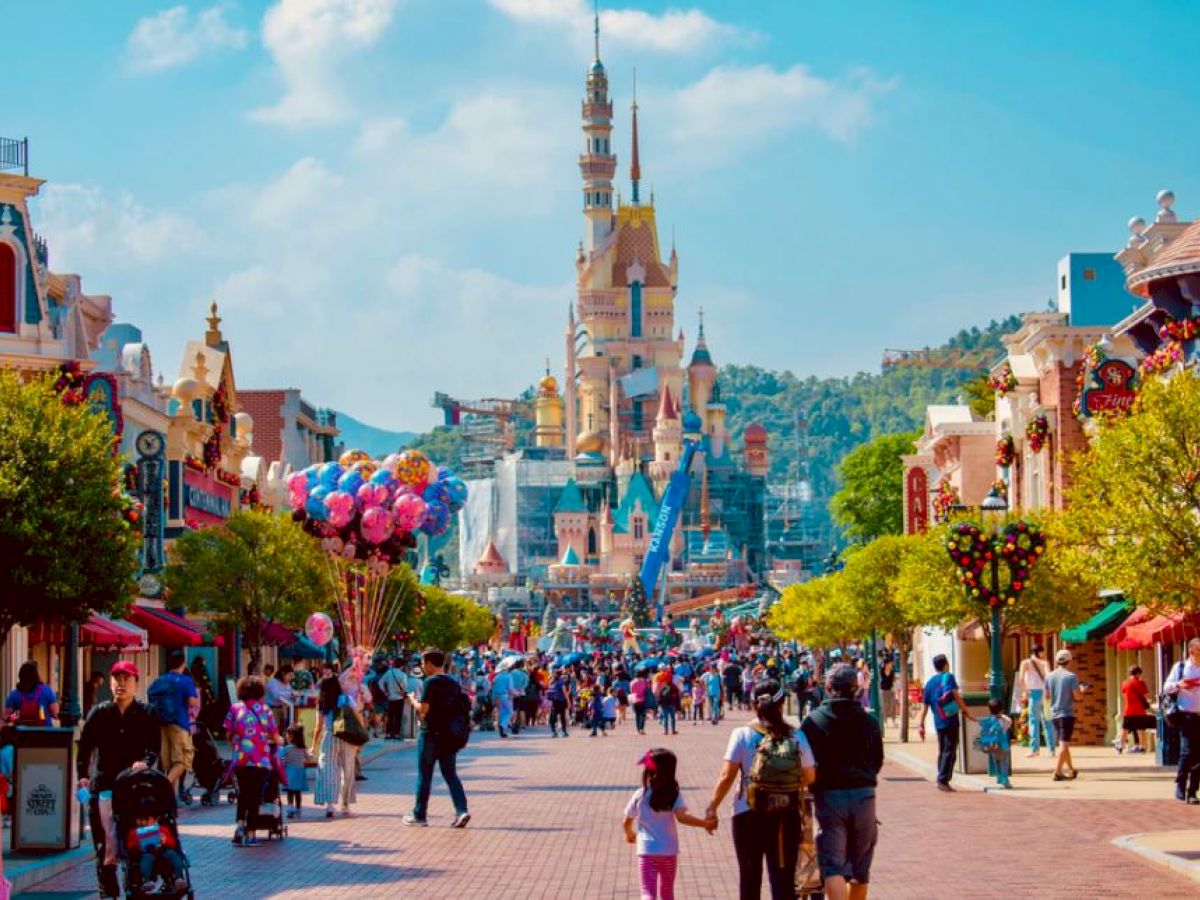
(1133, 509)
(981, 396)
(254, 569)
(451, 621)
(870, 503)
(67, 547)
(637, 606)
(811, 612)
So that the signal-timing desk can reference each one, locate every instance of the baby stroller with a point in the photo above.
(144, 794)
(210, 772)
(268, 815)
(482, 714)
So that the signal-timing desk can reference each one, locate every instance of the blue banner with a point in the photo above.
(673, 499)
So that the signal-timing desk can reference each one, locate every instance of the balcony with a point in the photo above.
(14, 155)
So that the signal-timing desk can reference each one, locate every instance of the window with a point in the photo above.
(591, 542)
(8, 289)
(1063, 282)
(1089, 274)
(638, 422)
(637, 361)
(635, 309)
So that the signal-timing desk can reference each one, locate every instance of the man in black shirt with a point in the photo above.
(848, 747)
(123, 734)
(441, 698)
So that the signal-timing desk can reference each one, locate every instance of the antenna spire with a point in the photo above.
(596, 25)
(635, 166)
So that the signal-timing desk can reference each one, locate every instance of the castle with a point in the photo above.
(573, 514)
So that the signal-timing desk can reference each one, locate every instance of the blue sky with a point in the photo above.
(383, 194)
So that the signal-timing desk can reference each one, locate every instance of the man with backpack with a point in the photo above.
(445, 729)
(942, 696)
(394, 684)
(848, 747)
(176, 702)
(668, 697)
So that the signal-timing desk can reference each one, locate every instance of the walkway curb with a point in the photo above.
(1130, 842)
(929, 771)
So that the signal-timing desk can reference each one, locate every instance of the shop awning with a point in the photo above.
(97, 632)
(1171, 629)
(1104, 622)
(165, 628)
(275, 635)
(1137, 617)
(303, 648)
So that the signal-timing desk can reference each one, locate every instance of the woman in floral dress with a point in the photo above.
(252, 735)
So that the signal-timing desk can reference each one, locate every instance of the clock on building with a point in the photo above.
(150, 443)
(150, 586)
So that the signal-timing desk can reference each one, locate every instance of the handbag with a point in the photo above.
(348, 727)
(1169, 703)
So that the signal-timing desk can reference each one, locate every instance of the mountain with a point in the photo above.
(379, 442)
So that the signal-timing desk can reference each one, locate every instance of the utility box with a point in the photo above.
(970, 760)
(45, 807)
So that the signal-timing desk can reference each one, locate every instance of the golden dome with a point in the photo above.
(590, 442)
(548, 385)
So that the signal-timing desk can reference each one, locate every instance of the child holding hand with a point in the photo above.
(650, 822)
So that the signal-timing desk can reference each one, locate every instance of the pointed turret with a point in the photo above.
(635, 166)
(667, 409)
(597, 163)
(701, 375)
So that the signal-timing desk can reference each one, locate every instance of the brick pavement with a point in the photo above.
(546, 823)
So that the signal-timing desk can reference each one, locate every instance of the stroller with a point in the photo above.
(210, 772)
(268, 815)
(482, 714)
(147, 793)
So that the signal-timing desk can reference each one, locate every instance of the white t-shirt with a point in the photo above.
(743, 744)
(1189, 698)
(656, 832)
(1035, 679)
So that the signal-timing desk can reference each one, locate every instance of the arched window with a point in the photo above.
(9, 315)
(591, 542)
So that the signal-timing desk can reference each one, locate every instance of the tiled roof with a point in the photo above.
(639, 490)
(570, 558)
(1180, 257)
(635, 243)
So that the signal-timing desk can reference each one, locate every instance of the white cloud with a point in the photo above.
(308, 40)
(92, 231)
(734, 108)
(681, 31)
(174, 37)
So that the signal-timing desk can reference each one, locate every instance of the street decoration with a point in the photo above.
(1107, 386)
(1006, 451)
(1018, 545)
(1037, 432)
(367, 514)
(945, 497)
(1167, 356)
(1186, 329)
(1003, 381)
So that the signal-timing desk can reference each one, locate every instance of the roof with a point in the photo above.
(637, 244)
(638, 491)
(570, 500)
(1023, 366)
(570, 558)
(701, 356)
(1101, 624)
(666, 406)
(214, 362)
(755, 431)
(692, 423)
(1180, 257)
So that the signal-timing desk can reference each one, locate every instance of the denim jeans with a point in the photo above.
(667, 715)
(558, 714)
(428, 754)
(773, 837)
(947, 749)
(1038, 725)
(1187, 776)
(639, 716)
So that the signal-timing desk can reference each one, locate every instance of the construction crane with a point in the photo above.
(486, 426)
(966, 360)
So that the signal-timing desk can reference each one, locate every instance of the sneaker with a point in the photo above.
(329, 813)
(344, 812)
(1007, 785)
(1118, 746)
(1032, 754)
(554, 734)
(360, 777)
(1193, 800)
(1179, 794)
(1137, 749)
(415, 822)
(1060, 777)
(239, 838)
(942, 786)
(461, 820)
(251, 842)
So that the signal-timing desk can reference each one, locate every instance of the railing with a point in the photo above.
(14, 154)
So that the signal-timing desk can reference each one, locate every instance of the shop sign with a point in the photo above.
(916, 500)
(100, 389)
(1114, 391)
(205, 499)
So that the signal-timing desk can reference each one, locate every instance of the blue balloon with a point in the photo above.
(329, 474)
(350, 482)
(315, 507)
(437, 518)
(311, 474)
(457, 489)
(437, 492)
(444, 473)
(384, 477)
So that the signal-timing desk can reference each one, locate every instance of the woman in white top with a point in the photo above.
(758, 834)
(1032, 676)
(1184, 682)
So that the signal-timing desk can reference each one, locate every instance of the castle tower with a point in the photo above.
(548, 413)
(757, 461)
(668, 439)
(702, 374)
(715, 422)
(569, 387)
(597, 163)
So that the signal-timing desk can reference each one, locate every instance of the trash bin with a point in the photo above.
(970, 760)
(45, 807)
(1167, 743)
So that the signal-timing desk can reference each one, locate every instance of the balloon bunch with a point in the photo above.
(372, 510)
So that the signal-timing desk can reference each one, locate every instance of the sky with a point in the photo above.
(383, 195)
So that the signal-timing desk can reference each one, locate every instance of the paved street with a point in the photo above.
(546, 823)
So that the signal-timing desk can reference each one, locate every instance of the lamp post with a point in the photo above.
(993, 508)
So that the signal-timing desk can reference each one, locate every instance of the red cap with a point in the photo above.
(124, 667)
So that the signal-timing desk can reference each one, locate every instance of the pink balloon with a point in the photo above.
(376, 525)
(319, 629)
(297, 481)
(409, 511)
(297, 499)
(341, 508)
(372, 495)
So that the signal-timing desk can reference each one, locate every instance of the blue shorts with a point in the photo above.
(846, 841)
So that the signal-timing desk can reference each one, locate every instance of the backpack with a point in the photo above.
(163, 698)
(991, 735)
(773, 785)
(30, 711)
(456, 731)
(1168, 703)
(666, 695)
(944, 699)
(378, 695)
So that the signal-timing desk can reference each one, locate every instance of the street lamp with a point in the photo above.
(993, 507)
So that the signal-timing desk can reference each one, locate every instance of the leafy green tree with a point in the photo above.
(256, 568)
(981, 396)
(451, 621)
(870, 502)
(66, 546)
(1133, 509)
(813, 613)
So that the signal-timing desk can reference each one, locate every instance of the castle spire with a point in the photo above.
(596, 25)
(635, 167)
(597, 163)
